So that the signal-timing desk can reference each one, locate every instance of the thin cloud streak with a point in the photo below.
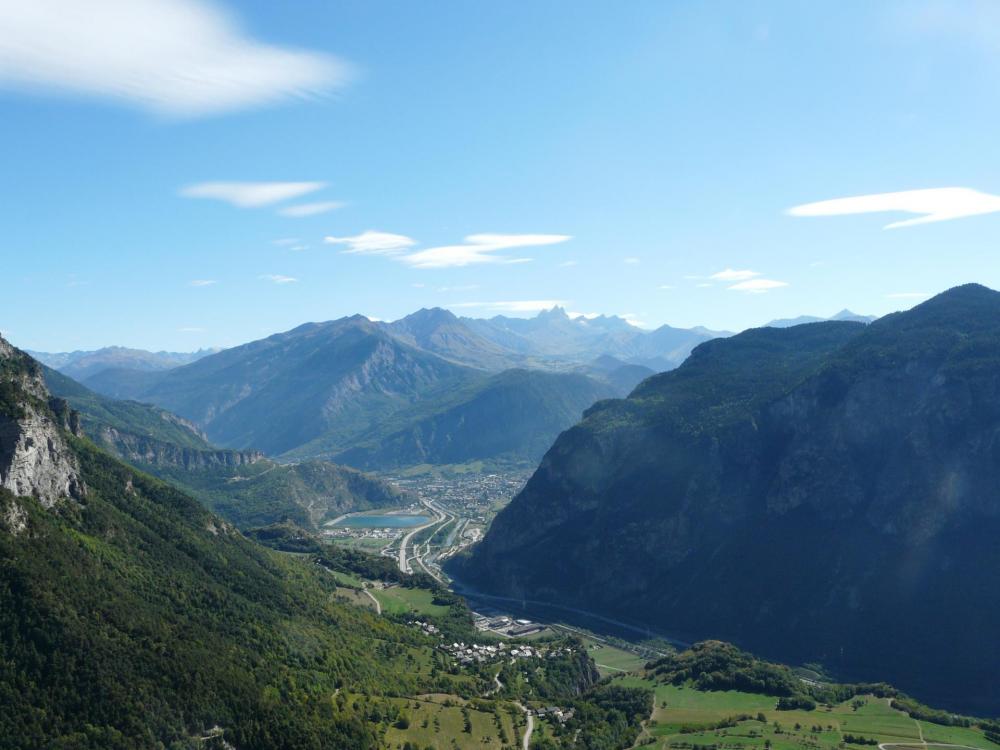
(477, 248)
(310, 209)
(732, 274)
(757, 286)
(480, 248)
(278, 278)
(931, 205)
(373, 242)
(250, 194)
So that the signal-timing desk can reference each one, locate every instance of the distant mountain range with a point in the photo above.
(81, 365)
(428, 388)
(374, 395)
(844, 314)
(822, 493)
(553, 340)
(553, 336)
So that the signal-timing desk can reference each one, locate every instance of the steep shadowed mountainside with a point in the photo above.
(334, 379)
(514, 416)
(826, 492)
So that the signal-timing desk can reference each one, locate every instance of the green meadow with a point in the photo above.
(688, 719)
(399, 600)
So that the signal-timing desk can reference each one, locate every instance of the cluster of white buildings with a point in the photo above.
(554, 712)
(479, 653)
(426, 627)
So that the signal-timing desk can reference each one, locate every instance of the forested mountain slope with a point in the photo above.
(825, 493)
(514, 416)
(130, 617)
(243, 487)
(325, 379)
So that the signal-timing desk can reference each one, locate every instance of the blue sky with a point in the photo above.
(612, 157)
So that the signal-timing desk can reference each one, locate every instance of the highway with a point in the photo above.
(439, 516)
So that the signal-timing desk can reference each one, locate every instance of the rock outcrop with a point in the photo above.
(140, 449)
(34, 458)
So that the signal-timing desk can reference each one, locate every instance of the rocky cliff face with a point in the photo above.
(815, 497)
(34, 458)
(140, 449)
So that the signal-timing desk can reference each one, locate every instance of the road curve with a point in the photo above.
(439, 516)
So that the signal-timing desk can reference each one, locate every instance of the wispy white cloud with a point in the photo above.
(931, 205)
(202, 282)
(732, 274)
(373, 242)
(250, 194)
(480, 248)
(181, 58)
(310, 209)
(515, 306)
(631, 261)
(191, 329)
(277, 278)
(477, 248)
(567, 264)
(285, 241)
(908, 295)
(757, 286)
(667, 286)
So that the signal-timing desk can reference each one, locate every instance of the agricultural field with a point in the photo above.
(611, 660)
(365, 544)
(399, 600)
(687, 719)
(448, 722)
